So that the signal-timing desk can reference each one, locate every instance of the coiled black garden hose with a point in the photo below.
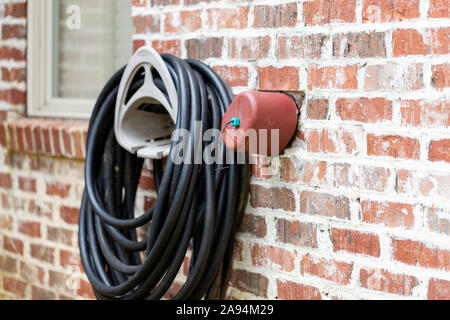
(198, 205)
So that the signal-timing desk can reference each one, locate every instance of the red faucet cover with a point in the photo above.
(260, 114)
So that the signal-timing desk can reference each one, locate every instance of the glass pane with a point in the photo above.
(89, 52)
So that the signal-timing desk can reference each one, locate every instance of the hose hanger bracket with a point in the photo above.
(145, 133)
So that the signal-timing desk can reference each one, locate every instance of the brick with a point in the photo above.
(56, 138)
(69, 214)
(8, 53)
(13, 245)
(438, 220)
(13, 74)
(46, 141)
(393, 146)
(326, 205)
(320, 12)
(438, 289)
(85, 290)
(8, 264)
(67, 142)
(288, 290)
(332, 141)
(261, 167)
(30, 228)
(359, 45)
(388, 213)
(13, 31)
(317, 109)
(283, 15)
(6, 202)
(288, 170)
(416, 183)
(29, 140)
(3, 136)
(272, 257)
(238, 254)
(332, 77)
(78, 143)
(234, 76)
(6, 222)
(43, 253)
(387, 11)
(296, 233)
(59, 235)
(412, 42)
(58, 280)
(439, 9)
(249, 48)
(27, 184)
(272, 78)
(201, 49)
(393, 76)
(424, 113)
(16, 10)
(40, 208)
(440, 77)
(228, 18)
(439, 150)
(437, 40)
(328, 269)
(13, 96)
(361, 177)
(20, 139)
(146, 182)
(32, 273)
(417, 253)
(147, 24)
(355, 242)
(301, 47)
(5, 181)
(12, 137)
(14, 286)
(254, 225)
(68, 259)
(383, 280)
(250, 282)
(39, 146)
(58, 189)
(137, 44)
(139, 3)
(183, 22)
(272, 198)
(167, 46)
(41, 294)
(365, 110)
(43, 165)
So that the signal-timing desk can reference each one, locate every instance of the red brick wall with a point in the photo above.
(358, 205)
(41, 182)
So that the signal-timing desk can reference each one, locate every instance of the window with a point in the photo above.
(74, 46)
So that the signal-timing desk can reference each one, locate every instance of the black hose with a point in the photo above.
(199, 206)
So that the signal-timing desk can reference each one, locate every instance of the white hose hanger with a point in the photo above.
(144, 133)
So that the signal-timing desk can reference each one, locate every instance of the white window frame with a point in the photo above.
(40, 72)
